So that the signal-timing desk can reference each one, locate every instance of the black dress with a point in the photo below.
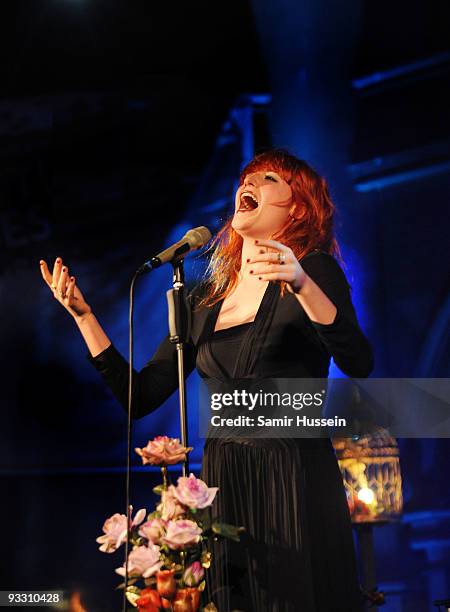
(297, 552)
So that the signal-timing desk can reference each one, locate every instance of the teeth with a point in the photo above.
(250, 195)
(243, 204)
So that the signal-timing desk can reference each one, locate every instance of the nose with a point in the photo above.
(249, 180)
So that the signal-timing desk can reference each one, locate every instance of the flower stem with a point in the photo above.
(164, 475)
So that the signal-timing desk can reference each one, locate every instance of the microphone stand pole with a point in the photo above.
(179, 317)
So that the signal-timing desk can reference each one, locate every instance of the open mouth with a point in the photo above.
(248, 202)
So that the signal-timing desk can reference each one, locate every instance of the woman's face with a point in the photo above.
(262, 205)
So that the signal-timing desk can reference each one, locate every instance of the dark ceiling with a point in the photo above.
(166, 71)
(65, 45)
(111, 109)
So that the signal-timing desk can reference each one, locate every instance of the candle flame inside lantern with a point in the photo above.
(366, 495)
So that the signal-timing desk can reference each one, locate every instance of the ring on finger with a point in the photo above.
(281, 258)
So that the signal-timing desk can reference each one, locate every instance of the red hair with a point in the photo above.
(311, 229)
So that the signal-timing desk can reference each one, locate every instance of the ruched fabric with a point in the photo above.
(296, 554)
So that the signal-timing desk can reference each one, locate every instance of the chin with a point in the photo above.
(255, 227)
(244, 228)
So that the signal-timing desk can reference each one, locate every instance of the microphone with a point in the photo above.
(193, 239)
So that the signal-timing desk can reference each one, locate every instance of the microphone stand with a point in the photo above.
(179, 329)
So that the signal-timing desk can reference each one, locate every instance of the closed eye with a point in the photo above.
(271, 178)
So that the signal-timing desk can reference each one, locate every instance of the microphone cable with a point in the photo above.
(201, 236)
(129, 434)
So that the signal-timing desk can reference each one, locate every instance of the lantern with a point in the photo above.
(370, 469)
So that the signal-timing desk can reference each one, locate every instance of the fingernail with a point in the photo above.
(260, 277)
(248, 259)
(58, 260)
(251, 271)
(256, 241)
(72, 278)
(64, 269)
(261, 251)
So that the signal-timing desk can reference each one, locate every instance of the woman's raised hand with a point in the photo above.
(64, 288)
(278, 264)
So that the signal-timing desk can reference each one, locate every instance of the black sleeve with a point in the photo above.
(343, 339)
(153, 385)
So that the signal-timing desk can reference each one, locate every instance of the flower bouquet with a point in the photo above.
(169, 547)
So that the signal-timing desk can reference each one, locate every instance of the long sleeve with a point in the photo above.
(343, 339)
(155, 383)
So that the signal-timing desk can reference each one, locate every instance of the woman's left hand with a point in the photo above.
(279, 265)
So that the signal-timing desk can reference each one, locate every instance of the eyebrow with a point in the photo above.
(276, 174)
(242, 177)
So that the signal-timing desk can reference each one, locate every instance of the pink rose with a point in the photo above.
(193, 574)
(194, 493)
(170, 508)
(163, 451)
(115, 530)
(181, 534)
(142, 561)
(153, 530)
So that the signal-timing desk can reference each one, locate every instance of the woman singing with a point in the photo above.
(275, 304)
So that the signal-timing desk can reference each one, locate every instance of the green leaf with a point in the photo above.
(204, 520)
(225, 530)
(130, 582)
(138, 541)
(153, 515)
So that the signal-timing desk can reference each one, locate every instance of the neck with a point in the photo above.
(249, 251)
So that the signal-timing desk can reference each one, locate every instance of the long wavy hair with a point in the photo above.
(311, 227)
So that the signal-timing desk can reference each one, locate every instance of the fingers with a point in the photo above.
(58, 280)
(64, 288)
(269, 258)
(45, 272)
(56, 272)
(269, 266)
(272, 276)
(274, 244)
(282, 256)
(70, 289)
(62, 283)
(278, 269)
